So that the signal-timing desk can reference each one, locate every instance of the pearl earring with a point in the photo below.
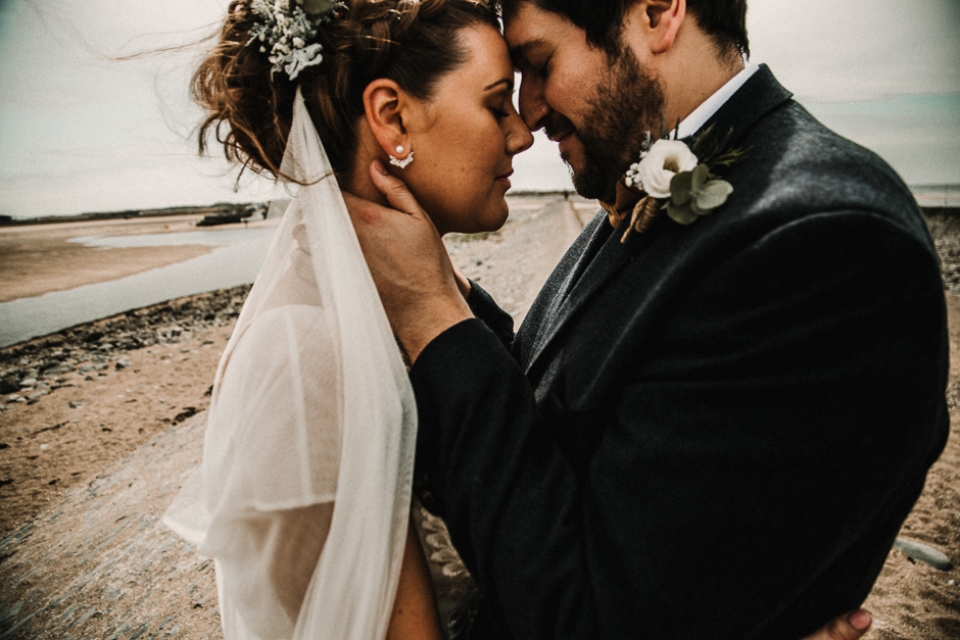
(397, 162)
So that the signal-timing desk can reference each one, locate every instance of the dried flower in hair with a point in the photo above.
(284, 31)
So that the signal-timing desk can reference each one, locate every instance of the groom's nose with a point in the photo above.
(533, 105)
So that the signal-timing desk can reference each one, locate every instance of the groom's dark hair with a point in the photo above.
(723, 20)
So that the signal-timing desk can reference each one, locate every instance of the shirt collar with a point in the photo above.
(699, 116)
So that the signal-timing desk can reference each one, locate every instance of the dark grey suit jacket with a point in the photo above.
(712, 431)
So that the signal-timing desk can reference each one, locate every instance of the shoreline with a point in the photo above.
(37, 259)
(220, 208)
(56, 276)
(41, 257)
(929, 196)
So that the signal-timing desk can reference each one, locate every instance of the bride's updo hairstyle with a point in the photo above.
(249, 109)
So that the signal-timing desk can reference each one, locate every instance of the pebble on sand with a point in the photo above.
(923, 553)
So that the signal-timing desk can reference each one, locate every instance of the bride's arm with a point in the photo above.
(415, 615)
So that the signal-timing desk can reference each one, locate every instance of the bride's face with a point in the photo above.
(465, 142)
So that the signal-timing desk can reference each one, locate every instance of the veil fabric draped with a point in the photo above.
(303, 494)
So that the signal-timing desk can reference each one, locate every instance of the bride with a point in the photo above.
(303, 497)
(304, 494)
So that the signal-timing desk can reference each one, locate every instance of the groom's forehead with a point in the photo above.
(529, 26)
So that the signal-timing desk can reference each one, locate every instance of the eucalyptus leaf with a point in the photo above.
(681, 188)
(700, 175)
(712, 195)
(682, 214)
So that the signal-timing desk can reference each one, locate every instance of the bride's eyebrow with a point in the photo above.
(507, 82)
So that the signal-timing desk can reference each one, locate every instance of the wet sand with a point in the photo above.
(40, 258)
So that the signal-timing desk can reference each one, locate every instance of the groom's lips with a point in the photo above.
(560, 134)
(562, 141)
(504, 180)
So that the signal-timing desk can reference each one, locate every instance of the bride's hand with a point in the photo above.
(849, 626)
(462, 283)
(409, 264)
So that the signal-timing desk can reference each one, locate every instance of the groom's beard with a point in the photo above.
(629, 102)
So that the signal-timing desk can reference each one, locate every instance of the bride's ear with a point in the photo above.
(385, 105)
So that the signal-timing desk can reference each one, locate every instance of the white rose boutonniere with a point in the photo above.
(657, 168)
(680, 178)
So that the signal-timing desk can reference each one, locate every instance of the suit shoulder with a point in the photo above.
(796, 166)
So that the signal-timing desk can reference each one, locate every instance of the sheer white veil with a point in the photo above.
(312, 406)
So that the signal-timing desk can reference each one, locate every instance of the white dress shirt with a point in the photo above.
(699, 116)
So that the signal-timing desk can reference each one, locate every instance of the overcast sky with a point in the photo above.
(80, 131)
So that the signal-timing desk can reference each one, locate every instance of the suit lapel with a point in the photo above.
(760, 95)
(557, 287)
(585, 279)
(597, 235)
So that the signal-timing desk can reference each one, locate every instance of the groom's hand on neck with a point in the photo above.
(418, 285)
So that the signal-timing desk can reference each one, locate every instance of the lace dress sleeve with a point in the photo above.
(458, 596)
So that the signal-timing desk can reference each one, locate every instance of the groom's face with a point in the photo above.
(597, 106)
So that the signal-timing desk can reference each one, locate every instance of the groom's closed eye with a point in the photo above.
(531, 57)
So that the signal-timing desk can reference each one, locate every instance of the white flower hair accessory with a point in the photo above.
(679, 177)
(286, 30)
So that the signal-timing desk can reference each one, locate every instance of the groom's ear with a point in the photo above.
(660, 21)
(384, 104)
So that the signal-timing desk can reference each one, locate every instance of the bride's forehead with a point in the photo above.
(486, 50)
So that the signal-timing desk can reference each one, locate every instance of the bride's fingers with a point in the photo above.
(396, 192)
(846, 627)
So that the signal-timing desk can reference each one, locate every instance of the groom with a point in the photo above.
(703, 430)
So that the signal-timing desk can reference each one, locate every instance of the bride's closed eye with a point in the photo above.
(501, 99)
(500, 113)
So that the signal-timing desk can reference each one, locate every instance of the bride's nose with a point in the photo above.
(519, 138)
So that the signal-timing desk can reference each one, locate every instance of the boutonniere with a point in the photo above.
(680, 178)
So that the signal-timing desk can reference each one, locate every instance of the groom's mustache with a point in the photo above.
(557, 126)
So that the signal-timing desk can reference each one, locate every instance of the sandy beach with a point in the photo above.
(102, 422)
(38, 259)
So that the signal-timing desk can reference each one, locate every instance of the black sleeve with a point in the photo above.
(486, 309)
(757, 461)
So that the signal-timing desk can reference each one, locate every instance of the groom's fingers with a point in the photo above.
(849, 626)
(396, 192)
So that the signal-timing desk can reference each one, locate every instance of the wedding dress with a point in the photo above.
(458, 596)
(303, 496)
